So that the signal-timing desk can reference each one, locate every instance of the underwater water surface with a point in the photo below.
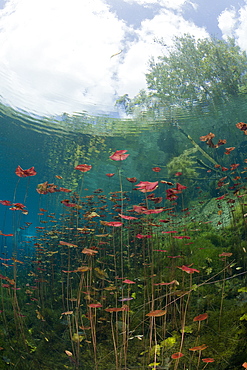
(123, 242)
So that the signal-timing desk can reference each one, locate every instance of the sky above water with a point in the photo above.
(58, 56)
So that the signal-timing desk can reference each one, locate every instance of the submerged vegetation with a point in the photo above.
(135, 274)
(149, 270)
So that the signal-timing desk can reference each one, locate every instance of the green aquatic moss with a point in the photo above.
(184, 163)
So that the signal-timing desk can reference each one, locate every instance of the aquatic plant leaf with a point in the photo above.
(229, 150)
(225, 254)
(169, 232)
(172, 282)
(25, 173)
(10, 281)
(117, 309)
(101, 274)
(17, 261)
(83, 167)
(1, 233)
(156, 313)
(65, 190)
(89, 251)
(166, 182)
(119, 155)
(5, 202)
(61, 242)
(177, 355)
(146, 186)
(127, 281)
(141, 236)
(90, 215)
(198, 348)
(112, 223)
(234, 166)
(152, 211)
(113, 309)
(82, 269)
(139, 209)
(187, 269)
(208, 359)
(201, 317)
(131, 179)
(67, 313)
(66, 203)
(127, 217)
(242, 126)
(46, 188)
(207, 137)
(180, 187)
(160, 250)
(95, 305)
(110, 288)
(17, 207)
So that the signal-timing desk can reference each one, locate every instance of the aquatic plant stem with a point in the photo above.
(183, 322)
(17, 183)
(125, 336)
(92, 318)
(121, 233)
(222, 292)
(114, 342)
(198, 360)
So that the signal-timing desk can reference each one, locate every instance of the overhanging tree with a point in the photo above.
(203, 70)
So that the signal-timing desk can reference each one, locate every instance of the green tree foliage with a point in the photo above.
(203, 70)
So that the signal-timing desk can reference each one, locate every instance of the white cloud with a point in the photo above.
(234, 24)
(55, 56)
(241, 28)
(227, 21)
(164, 25)
(171, 4)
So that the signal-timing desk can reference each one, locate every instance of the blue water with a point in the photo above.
(54, 148)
